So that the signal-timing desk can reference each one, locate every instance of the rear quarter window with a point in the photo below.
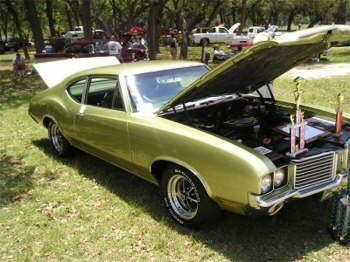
(76, 90)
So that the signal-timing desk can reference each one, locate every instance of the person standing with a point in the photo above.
(115, 48)
(173, 47)
(143, 42)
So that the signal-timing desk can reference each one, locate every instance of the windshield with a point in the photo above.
(149, 91)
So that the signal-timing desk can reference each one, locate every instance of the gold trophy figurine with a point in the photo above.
(339, 110)
(298, 92)
(297, 126)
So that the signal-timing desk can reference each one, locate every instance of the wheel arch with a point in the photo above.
(159, 164)
(47, 120)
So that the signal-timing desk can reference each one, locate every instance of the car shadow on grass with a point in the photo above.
(297, 230)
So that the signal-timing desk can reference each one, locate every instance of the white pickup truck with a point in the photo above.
(218, 34)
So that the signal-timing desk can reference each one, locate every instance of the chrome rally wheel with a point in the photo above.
(186, 198)
(56, 138)
(58, 141)
(183, 196)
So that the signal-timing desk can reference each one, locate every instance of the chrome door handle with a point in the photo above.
(81, 110)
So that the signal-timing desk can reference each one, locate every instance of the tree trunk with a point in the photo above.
(340, 14)
(85, 16)
(243, 17)
(314, 21)
(152, 30)
(275, 17)
(74, 6)
(50, 19)
(34, 22)
(155, 13)
(5, 19)
(233, 13)
(290, 20)
(69, 18)
(184, 26)
(18, 26)
(213, 14)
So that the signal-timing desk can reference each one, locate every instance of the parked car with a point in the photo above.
(78, 33)
(209, 139)
(254, 30)
(218, 34)
(15, 44)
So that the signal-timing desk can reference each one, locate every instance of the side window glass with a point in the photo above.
(76, 90)
(104, 92)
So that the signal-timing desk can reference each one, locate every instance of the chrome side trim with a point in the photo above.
(259, 202)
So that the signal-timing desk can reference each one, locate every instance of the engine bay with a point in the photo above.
(257, 123)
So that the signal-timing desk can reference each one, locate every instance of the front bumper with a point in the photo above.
(272, 203)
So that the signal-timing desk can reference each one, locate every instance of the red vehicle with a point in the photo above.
(240, 46)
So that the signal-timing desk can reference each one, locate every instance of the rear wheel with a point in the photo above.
(58, 141)
(186, 199)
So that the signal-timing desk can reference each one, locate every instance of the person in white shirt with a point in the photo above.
(19, 65)
(219, 54)
(114, 48)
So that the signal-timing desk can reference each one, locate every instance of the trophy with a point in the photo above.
(339, 110)
(297, 125)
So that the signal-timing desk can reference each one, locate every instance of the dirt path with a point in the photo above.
(317, 71)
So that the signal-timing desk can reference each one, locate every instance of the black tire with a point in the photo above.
(59, 143)
(183, 207)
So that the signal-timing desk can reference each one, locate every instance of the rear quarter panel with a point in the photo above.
(54, 103)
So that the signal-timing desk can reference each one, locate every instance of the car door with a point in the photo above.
(101, 124)
(224, 35)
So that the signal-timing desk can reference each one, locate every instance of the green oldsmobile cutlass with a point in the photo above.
(211, 140)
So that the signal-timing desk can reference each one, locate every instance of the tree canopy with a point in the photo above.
(37, 20)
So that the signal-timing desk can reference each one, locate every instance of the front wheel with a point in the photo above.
(186, 199)
(58, 141)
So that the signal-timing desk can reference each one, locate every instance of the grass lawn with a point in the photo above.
(82, 208)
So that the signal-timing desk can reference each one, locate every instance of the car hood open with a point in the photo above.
(234, 28)
(260, 64)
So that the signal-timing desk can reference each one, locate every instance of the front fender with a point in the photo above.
(229, 170)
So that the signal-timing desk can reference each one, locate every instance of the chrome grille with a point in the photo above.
(314, 170)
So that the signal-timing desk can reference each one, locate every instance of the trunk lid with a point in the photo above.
(56, 71)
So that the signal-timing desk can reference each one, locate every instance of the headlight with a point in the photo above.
(266, 184)
(279, 177)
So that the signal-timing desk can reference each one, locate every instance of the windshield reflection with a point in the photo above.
(149, 91)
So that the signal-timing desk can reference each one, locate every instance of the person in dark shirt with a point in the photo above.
(173, 47)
